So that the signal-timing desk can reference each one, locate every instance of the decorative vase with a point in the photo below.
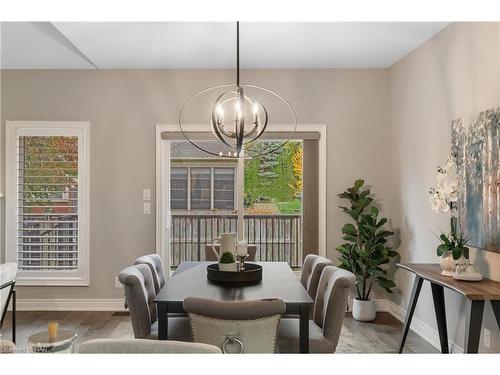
(364, 311)
(448, 264)
(228, 267)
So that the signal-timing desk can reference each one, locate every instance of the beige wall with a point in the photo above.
(455, 74)
(124, 107)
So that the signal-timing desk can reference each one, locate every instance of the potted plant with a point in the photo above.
(227, 262)
(453, 249)
(365, 250)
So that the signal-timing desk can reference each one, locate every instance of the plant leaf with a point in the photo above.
(358, 184)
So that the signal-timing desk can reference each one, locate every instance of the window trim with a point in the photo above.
(81, 129)
(163, 212)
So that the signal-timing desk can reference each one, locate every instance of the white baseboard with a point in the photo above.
(58, 304)
(422, 329)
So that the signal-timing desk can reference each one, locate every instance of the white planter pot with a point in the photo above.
(363, 311)
(228, 267)
(447, 264)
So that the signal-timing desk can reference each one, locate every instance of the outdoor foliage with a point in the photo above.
(365, 250)
(49, 167)
(297, 171)
(273, 177)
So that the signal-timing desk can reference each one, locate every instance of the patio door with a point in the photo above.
(264, 199)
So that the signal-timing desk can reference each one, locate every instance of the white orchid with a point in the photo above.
(445, 194)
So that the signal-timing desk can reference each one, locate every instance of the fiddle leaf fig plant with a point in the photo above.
(365, 250)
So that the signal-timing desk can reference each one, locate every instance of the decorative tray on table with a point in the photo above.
(252, 274)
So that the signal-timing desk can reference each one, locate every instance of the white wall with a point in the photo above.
(455, 74)
(124, 107)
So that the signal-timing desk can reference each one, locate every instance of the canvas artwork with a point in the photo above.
(475, 145)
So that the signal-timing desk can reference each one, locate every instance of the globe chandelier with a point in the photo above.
(237, 118)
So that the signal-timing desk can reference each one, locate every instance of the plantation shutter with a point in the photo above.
(47, 195)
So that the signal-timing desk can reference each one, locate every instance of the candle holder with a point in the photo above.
(241, 262)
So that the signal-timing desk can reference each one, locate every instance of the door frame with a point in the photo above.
(163, 220)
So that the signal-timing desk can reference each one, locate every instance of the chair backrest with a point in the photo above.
(311, 271)
(210, 256)
(8, 272)
(126, 346)
(140, 293)
(331, 301)
(236, 326)
(156, 266)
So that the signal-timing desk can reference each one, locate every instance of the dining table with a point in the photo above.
(278, 281)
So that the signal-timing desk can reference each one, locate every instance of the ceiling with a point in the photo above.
(209, 45)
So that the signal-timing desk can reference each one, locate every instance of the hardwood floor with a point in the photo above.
(380, 336)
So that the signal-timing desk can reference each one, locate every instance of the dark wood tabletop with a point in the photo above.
(278, 281)
(485, 289)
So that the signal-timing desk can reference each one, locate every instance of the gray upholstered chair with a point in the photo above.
(237, 326)
(128, 346)
(329, 310)
(140, 293)
(210, 256)
(311, 271)
(156, 266)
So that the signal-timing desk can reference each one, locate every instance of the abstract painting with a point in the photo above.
(475, 145)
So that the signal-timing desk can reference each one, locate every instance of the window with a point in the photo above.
(224, 188)
(47, 197)
(202, 188)
(179, 188)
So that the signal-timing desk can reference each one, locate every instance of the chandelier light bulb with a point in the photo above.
(255, 113)
(220, 114)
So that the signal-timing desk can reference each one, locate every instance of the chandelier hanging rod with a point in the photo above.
(238, 53)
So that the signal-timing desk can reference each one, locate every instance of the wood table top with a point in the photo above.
(485, 289)
(278, 281)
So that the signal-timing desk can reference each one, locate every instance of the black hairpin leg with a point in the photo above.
(439, 308)
(14, 316)
(496, 310)
(473, 322)
(417, 285)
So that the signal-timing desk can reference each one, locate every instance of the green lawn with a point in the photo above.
(293, 207)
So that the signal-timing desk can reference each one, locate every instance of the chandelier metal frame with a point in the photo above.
(240, 136)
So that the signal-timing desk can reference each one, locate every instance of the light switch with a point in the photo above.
(146, 194)
(146, 208)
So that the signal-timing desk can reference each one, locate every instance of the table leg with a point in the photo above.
(304, 329)
(496, 310)
(417, 285)
(162, 321)
(439, 308)
(473, 323)
(14, 316)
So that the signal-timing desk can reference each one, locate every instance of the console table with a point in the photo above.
(476, 293)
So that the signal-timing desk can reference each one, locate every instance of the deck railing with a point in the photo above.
(277, 237)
